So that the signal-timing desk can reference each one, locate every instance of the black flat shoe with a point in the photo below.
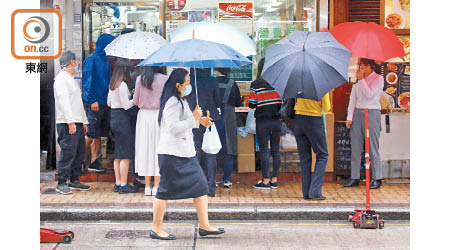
(138, 184)
(155, 236)
(320, 197)
(352, 183)
(375, 184)
(306, 197)
(203, 232)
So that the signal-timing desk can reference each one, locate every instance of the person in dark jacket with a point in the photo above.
(267, 103)
(207, 90)
(96, 76)
(229, 97)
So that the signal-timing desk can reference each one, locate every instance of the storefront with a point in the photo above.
(266, 22)
(395, 121)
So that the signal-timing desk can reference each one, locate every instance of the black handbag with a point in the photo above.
(287, 108)
(287, 112)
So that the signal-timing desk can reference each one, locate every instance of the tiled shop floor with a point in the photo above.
(101, 193)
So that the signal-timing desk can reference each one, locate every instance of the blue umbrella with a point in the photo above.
(196, 53)
(310, 63)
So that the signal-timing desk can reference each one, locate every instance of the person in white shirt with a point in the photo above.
(119, 101)
(71, 126)
(181, 174)
(365, 94)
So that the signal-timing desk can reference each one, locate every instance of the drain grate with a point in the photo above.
(127, 234)
(50, 191)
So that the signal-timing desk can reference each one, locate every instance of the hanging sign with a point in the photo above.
(235, 10)
(176, 5)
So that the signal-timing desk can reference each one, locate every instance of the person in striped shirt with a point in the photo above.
(267, 103)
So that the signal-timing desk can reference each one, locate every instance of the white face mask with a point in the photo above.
(77, 68)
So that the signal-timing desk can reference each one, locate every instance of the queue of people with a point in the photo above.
(137, 138)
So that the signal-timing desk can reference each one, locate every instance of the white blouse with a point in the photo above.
(119, 98)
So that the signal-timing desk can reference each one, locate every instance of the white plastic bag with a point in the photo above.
(211, 141)
(250, 123)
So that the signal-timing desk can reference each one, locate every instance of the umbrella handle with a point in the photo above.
(359, 68)
(195, 82)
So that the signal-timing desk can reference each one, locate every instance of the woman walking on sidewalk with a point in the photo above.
(119, 101)
(181, 174)
(147, 96)
(267, 103)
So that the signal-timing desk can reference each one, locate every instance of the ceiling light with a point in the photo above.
(275, 3)
(271, 9)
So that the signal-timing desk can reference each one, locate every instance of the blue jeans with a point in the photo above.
(208, 162)
(228, 158)
(309, 133)
(266, 128)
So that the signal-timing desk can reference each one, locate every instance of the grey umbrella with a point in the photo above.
(310, 63)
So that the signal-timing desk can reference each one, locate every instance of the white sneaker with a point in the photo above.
(154, 190)
(148, 191)
(227, 184)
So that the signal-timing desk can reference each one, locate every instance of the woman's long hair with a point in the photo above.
(121, 73)
(170, 89)
(258, 76)
(148, 75)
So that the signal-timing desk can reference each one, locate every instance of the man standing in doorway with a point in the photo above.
(309, 131)
(71, 126)
(96, 76)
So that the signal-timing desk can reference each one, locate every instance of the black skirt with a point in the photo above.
(181, 178)
(123, 134)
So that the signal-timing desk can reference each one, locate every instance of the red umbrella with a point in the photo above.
(368, 40)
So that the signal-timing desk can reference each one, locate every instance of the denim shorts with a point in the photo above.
(98, 121)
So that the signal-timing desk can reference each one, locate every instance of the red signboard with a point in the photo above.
(236, 10)
(176, 5)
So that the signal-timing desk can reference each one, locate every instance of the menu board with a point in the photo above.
(397, 14)
(172, 25)
(243, 73)
(343, 148)
(396, 85)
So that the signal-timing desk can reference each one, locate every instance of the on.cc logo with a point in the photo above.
(36, 34)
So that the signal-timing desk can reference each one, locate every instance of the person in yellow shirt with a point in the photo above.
(309, 131)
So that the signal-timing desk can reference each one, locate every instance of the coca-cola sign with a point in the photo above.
(243, 10)
(176, 5)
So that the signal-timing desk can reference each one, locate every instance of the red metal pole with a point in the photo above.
(367, 156)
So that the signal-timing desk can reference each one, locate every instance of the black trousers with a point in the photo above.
(309, 133)
(71, 157)
(265, 128)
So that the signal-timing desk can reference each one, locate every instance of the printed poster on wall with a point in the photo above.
(200, 15)
(396, 85)
(397, 14)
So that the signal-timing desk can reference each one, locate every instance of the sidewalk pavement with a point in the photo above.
(241, 202)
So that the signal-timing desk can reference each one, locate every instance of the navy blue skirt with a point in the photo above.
(181, 178)
(123, 134)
